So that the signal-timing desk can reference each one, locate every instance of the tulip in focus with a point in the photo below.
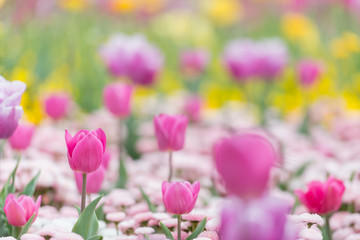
(179, 198)
(19, 210)
(322, 198)
(263, 219)
(194, 62)
(244, 163)
(21, 138)
(57, 105)
(10, 109)
(94, 180)
(117, 99)
(308, 72)
(85, 150)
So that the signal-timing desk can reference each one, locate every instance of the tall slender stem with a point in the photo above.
(2, 144)
(170, 166)
(179, 227)
(327, 227)
(83, 193)
(121, 139)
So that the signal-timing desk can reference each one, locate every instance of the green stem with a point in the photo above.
(117, 229)
(16, 232)
(179, 227)
(327, 227)
(170, 166)
(83, 193)
(2, 145)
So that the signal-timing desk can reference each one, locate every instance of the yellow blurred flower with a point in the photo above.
(151, 6)
(222, 12)
(57, 81)
(2, 2)
(344, 46)
(73, 5)
(184, 29)
(123, 6)
(301, 30)
(33, 109)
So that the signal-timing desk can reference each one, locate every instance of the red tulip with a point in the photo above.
(322, 198)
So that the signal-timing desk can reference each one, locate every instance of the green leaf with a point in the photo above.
(97, 237)
(87, 224)
(302, 169)
(132, 137)
(9, 187)
(198, 230)
(30, 187)
(100, 212)
(27, 226)
(121, 182)
(146, 197)
(166, 232)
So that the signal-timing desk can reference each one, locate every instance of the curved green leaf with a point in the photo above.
(27, 226)
(198, 230)
(166, 232)
(30, 187)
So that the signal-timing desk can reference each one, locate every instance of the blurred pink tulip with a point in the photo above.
(57, 105)
(170, 131)
(21, 138)
(193, 62)
(94, 180)
(180, 197)
(308, 72)
(19, 210)
(117, 99)
(10, 109)
(244, 163)
(322, 198)
(193, 107)
(85, 150)
(106, 159)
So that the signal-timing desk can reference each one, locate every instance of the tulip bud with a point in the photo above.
(85, 149)
(322, 198)
(117, 99)
(244, 163)
(57, 105)
(19, 210)
(10, 110)
(21, 138)
(170, 131)
(94, 180)
(180, 197)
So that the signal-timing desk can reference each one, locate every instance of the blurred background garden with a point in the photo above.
(59, 45)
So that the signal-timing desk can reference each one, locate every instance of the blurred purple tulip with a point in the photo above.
(263, 219)
(133, 57)
(10, 109)
(194, 62)
(308, 72)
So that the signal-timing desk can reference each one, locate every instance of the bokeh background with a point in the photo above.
(55, 45)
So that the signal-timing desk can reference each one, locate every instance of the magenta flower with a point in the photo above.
(57, 105)
(263, 219)
(322, 198)
(192, 108)
(85, 149)
(308, 72)
(19, 210)
(21, 138)
(264, 59)
(180, 197)
(10, 109)
(170, 131)
(94, 180)
(117, 99)
(244, 163)
(133, 57)
(194, 62)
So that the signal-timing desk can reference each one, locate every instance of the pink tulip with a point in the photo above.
(10, 109)
(322, 198)
(170, 131)
(21, 138)
(19, 210)
(193, 62)
(244, 163)
(117, 99)
(57, 105)
(85, 149)
(308, 72)
(94, 180)
(193, 107)
(180, 197)
(106, 159)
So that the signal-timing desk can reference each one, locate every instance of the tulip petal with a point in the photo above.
(178, 198)
(102, 137)
(15, 213)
